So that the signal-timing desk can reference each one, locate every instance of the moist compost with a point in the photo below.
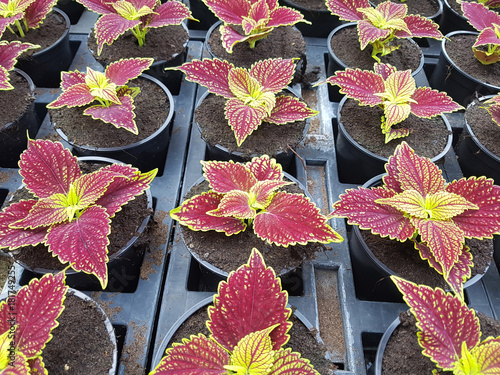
(15, 102)
(308, 4)
(484, 128)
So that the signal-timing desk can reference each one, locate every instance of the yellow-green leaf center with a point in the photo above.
(129, 12)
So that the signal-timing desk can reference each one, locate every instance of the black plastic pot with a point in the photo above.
(44, 67)
(201, 12)
(357, 164)
(72, 8)
(335, 64)
(146, 154)
(462, 87)
(14, 135)
(473, 157)
(126, 261)
(383, 344)
(322, 20)
(452, 21)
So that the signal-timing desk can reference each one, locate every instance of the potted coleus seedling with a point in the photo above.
(449, 332)
(415, 203)
(249, 325)
(251, 97)
(71, 212)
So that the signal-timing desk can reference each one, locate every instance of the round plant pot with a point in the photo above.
(449, 77)
(452, 21)
(363, 58)
(145, 154)
(257, 143)
(126, 261)
(357, 164)
(375, 282)
(72, 8)
(14, 134)
(474, 158)
(201, 12)
(44, 67)
(322, 21)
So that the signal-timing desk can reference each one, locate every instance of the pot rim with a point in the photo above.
(58, 41)
(383, 344)
(302, 8)
(29, 107)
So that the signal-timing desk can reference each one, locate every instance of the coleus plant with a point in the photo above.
(9, 52)
(26, 321)
(71, 212)
(449, 331)
(415, 203)
(381, 25)
(27, 13)
(109, 89)
(490, 3)
(246, 193)
(249, 325)
(394, 91)
(256, 18)
(493, 108)
(487, 22)
(251, 94)
(138, 16)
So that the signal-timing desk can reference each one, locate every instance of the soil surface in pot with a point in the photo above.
(229, 252)
(269, 139)
(405, 261)
(484, 128)
(418, 7)
(285, 42)
(345, 45)
(301, 340)
(309, 4)
(151, 110)
(47, 34)
(162, 43)
(459, 49)
(403, 354)
(428, 137)
(14, 102)
(81, 343)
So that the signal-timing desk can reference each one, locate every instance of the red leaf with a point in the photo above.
(37, 307)
(384, 70)
(289, 109)
(494, 111)
(224, 176)
(431, 103)
(292, 218)
(4, 22)
(358, 205)
(257, 17)
(14, 238)
(479, 16)
(420, 27)
(251, 300)
(109, 27)
(347, 10)
(21, 366)
(264, 168)
(83, 242)
(229, 11)
(263, 191)
(368, 33)
(99, 6)
(444, 320)
(391, 179)
(361, 85)
(69, 79)
(90, 187)
(122, 71)
(234, 204)
(46, 212)
(4, 79)
(273, 74)
(193, 214)
(74, 96)
(243, 119)
(9, 53)
(197, 356)
(230, 37)
(120, 115)
(287, 362)
(37, 11)
(48, 168)
(212, 74)
(169, 13)
(487, 36)
(37, 366)
(284, 16)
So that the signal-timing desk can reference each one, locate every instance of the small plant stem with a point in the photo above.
(19, 28)
(139, 35)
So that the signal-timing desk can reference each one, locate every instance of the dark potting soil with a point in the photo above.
(230, 252)
(308, 4)
(345, 45)
(15, 102)
(151, 110)
(403, 354)
(52, 28)
(163, 43)
(459, 49)
(428, 137)
(285, 42)
(81, 343)
(418, 7)
(269, 139)
(484, 128)
(301, 340)
(403, 259)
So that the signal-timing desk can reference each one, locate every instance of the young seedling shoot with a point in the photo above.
(119, 16)
(394, 91)
(449, 332)
(244, 194)
(415, 203)
(248, 325)
(252, 95)
(256, 18)
(109, 89)
(71, 212)
(379, 26)
(9, 52)
(487, 22)
(27, 13)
